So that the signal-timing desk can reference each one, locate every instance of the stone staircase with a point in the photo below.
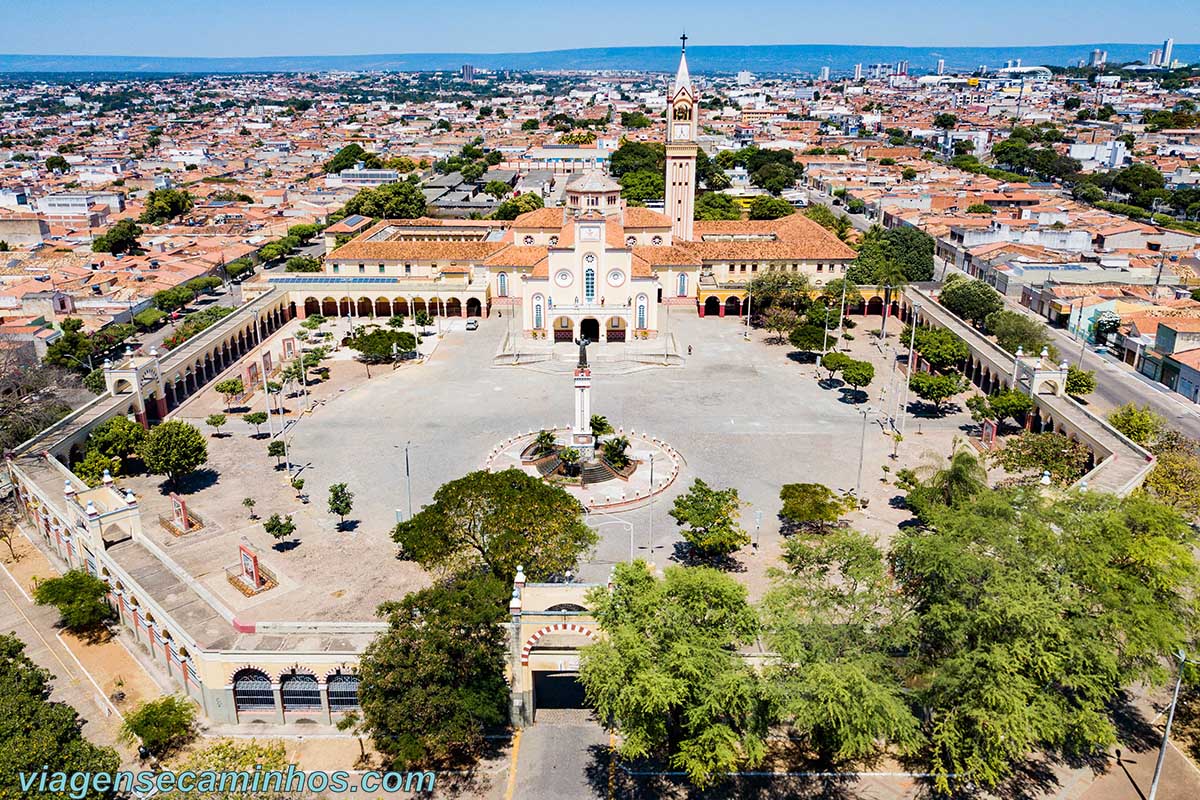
(596, 472)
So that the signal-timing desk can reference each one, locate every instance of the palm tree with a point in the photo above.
(891, 278)
(545, 443)
(961, 479)
(600, 425)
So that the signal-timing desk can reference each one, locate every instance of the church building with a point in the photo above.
(593, 267)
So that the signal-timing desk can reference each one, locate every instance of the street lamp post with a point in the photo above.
(408, 479)
(912, 343)
(862, 452)
(1162, 750)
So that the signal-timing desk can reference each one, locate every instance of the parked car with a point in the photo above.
(472, 324)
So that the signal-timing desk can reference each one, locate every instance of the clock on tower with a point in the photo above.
(681, 150)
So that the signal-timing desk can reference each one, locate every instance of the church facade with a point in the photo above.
(594, 267)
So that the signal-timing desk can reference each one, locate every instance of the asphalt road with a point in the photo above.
(1117, 383)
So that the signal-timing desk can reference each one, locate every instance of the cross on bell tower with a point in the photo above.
(681, 149)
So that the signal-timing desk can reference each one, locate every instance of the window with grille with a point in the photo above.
(252, 691)
(589, 284)
(299, 692)
(343, 692)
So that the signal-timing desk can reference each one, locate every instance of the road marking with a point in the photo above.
(33, 626)
(512, 775)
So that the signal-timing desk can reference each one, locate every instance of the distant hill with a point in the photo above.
(801, 58)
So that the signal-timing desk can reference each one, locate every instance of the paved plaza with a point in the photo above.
(741, 413)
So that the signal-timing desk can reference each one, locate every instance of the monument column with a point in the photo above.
(581, 432)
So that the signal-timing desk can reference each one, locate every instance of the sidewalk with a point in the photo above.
(88, 674)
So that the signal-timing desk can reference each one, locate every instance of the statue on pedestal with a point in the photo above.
(583, 344)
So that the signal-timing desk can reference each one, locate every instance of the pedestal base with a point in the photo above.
(585, 443)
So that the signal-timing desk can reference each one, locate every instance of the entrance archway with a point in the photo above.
(590, 328)
(311, 306)
(616, 330)
(474, 307)
(733, 307)
(712, 307)
(557, 690)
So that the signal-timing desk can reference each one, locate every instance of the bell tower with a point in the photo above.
(681, 150)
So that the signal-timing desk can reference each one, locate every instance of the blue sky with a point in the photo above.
(334, 27)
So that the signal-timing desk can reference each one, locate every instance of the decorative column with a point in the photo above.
(581, 433)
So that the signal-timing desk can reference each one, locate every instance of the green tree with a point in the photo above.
(58, 163)
(616, 451)
(667, 674)
(255, 418)
(945, 121)
(400, 200)
(498, 521)
(164, 205)
(1030, 617)
(972, 300)
(1175, 481)
(277, 450)
(73, 349)
(162, 725)
(1080, 382)
(433, 683)
(858, 373)
(303, 264)
(1015, 330)
(808, 338)
(215, 421)
(833, 620)
(642, 185)
(381, 346)
(41, 734)
(279, 528)
(516, 206)
(813, 506)
(835, 362)
(891, 280)
(939, 347)
(717, 206)
(422, 319)
(1031, 454)
(936, 389)
(496, 189)
(980, 208)
(348, 156)
(710, 519)
(767, 207)
(119, 437)
(953, 483)
(908, 174)
(544, 443)
(229, 389)
(530, 124)
(1139, 423)
(92, 466)
(780, 321)
(637, 157)
(174, 449)
(341, 501)
(121, 237)
(635, 120)
(600, 425)
(80, 599)
(790, 289)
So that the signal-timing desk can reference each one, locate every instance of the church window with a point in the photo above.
(528, 240)
(630, 241)
(381, 269)
(589, 284)
(641, 311)
(682, 285)
(657, 240)
(502, 284)
(553, 241)
(537, 312)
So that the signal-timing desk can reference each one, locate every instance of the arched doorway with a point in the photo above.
(590, 329)
(616, 329)
(383, 308)
(733, 306)
(453, 307)
(712, 307)
(329, 307)
(474, 307)
(875, 306)
(311, 306)
(364, 307)
(564, 331)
